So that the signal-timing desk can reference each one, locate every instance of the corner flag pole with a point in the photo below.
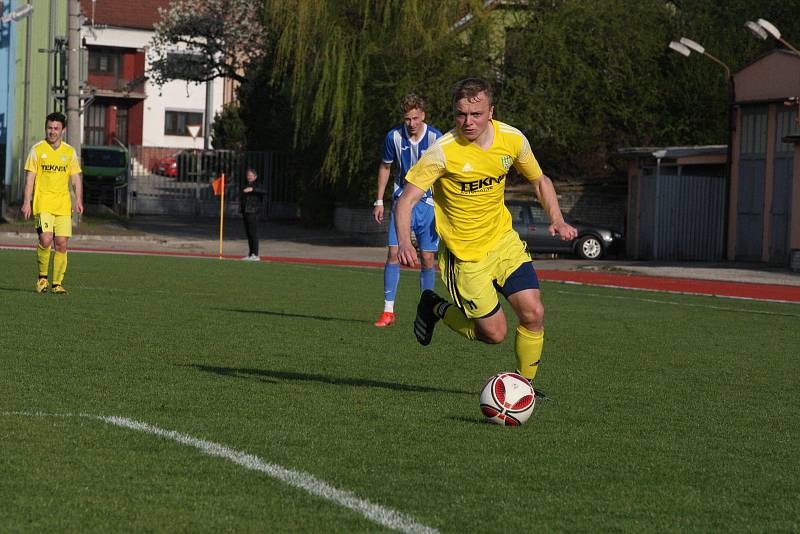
(221, 213)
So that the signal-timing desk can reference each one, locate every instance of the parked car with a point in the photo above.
(105, 170)
(107, 163)
(194, 164)
(592, 243)
(168, 166)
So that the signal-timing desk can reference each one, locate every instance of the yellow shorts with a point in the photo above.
(59, 225)
(473, 285)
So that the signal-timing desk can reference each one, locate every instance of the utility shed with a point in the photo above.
(676, 202)
(764, 219)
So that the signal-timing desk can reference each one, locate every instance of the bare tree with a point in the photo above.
(200, 41)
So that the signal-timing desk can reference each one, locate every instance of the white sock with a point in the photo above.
(388, 306)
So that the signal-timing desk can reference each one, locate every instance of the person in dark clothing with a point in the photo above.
(250, 207)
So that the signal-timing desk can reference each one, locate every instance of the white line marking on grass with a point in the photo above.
(374, 512)
(688, 304)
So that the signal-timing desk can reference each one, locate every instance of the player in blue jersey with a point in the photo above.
(403, 147)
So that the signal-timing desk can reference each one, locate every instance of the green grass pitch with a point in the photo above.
(669, 414)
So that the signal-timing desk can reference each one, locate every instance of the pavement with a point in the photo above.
(290, 241)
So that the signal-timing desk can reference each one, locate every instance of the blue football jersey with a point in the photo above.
(400, 150)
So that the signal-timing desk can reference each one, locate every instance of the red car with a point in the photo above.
(168, 166)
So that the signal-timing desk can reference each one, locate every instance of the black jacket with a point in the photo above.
(251, 202)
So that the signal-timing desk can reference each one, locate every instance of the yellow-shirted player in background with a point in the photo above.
(50, 168)
(479, 253)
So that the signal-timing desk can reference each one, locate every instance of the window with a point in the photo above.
(175, 122)
(105, 62)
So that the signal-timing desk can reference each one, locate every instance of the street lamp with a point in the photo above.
(687, 46)
(764, 28)
(14, 16)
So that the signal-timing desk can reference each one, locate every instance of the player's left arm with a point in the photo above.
(527, 165)
(546, 193)
(77, 185)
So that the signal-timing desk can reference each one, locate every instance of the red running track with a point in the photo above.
(691, 286)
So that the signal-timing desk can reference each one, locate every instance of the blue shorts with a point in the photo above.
(423, 224)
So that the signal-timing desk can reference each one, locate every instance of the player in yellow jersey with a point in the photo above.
(50, 168)
(479, 253)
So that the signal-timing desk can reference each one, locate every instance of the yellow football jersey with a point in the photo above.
(53, 169)
(469, 187)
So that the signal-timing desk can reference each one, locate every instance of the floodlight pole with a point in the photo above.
(685, 47)
(659, 155)
(73, 107)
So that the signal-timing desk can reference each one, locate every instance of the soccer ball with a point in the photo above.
(507, 399)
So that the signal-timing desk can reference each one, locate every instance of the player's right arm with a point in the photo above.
(30, 180)
(383, 180)
(421, 177)
(31, 166)
(406, 252)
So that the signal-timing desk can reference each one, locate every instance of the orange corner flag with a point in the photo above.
(218, 185)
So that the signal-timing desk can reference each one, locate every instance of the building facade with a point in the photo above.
(29, 68)
(764, 201)
(124, 106)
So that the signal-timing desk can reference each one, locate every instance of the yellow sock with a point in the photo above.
(459, 323)
(43, 260)
(528, 346)
(59, 267)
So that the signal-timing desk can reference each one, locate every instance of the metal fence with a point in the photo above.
(165, 181)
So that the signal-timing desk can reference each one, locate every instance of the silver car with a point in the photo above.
(593, 242)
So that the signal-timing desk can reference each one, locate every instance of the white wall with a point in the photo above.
(172, 96)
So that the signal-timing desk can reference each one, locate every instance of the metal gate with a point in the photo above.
(171, 181)
(751, 179)
(681, 217)
(780, 213)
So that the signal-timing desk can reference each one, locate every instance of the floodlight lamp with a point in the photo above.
(679, 48)
(658, 154)
(757, 31)
(697, 47)
(770, 28)
(22, 12)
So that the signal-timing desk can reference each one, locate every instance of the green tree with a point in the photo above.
(587, 78)
(579, 78)
(695, 102)
(229, 130)
(345, 65)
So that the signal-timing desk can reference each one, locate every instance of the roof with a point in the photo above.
(141, 14)
(774, 76)
(677, 155)
(674, 152)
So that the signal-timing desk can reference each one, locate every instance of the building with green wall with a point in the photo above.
(30, 70)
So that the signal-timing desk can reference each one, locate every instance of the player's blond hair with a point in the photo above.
(412, 101)
(469, 88)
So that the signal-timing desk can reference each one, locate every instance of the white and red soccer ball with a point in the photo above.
(507, 399)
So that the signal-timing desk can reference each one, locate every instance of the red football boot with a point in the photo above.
(386, 319)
